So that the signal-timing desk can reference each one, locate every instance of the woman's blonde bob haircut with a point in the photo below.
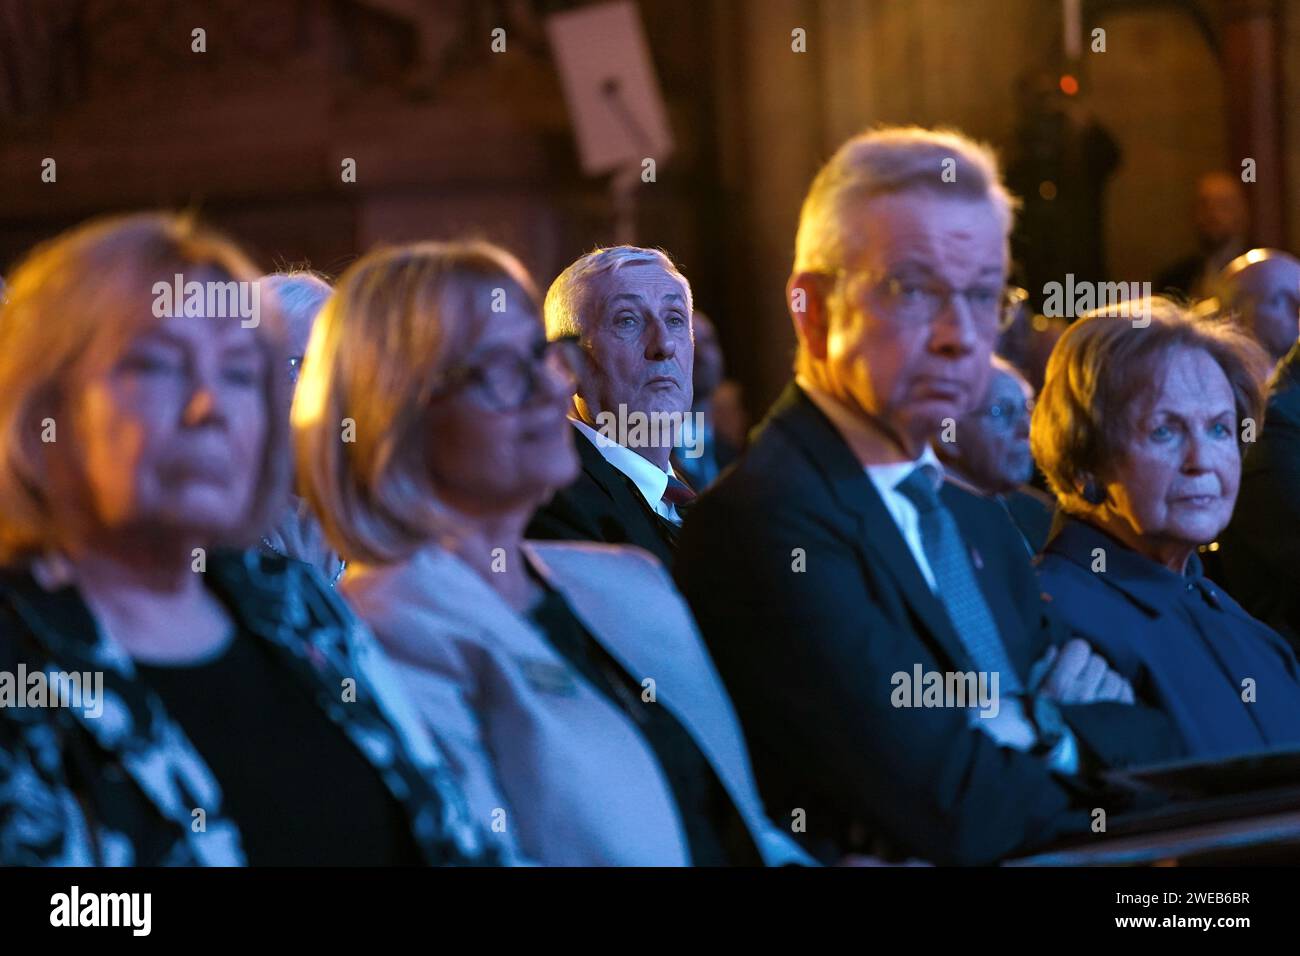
(75, 305)
(1101, 364)
(399, 319)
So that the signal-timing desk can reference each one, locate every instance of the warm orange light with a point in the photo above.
(1047, 189)
(1069, 85)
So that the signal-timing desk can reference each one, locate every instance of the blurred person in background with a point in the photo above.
(1260, 548)
(1137, 429)
(711, 449)
(989, 453)
(566, 679)
(145, 449)
(1061, 162)
(1221, 217)
(1260, 290)
(1028, 339)
(297, 534)
(730, 415)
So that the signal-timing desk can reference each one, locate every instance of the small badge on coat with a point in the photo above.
(548, 677)
(977, 559)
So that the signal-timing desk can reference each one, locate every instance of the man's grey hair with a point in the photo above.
(566, 300)
(892, 160)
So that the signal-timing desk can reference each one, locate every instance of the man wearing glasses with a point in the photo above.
(987, 452)
(833, 570)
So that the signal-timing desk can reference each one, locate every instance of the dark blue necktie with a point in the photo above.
(955, 580)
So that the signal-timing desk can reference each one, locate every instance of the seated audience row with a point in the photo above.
(545, 646)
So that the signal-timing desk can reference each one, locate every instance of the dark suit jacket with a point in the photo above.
(603, 504)
(1260, 549)
(1178, 277)
(1180, 640)
(810, 601)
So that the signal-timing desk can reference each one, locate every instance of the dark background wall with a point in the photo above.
(450, 138)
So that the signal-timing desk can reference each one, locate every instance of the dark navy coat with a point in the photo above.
(1184, 644)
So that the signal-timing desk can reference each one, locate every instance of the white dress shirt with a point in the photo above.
(1012, 727)
(649, 479)
(885, 477)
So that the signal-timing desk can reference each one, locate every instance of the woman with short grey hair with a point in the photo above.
(300, 294)
(1140, 429)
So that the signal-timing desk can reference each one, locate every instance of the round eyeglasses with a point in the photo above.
(992, 306)
(506, 380)
(1009, 413)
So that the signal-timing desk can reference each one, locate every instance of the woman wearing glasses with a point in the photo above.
(567, 681)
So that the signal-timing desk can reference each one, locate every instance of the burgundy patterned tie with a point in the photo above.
(678, 492)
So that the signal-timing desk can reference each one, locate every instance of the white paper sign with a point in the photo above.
(610, 86)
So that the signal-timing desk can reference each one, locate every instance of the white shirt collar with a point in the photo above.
(859, 433)
(889, 476)
(648, 478)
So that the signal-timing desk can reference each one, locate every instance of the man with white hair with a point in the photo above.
(856, 605)
(630, 309)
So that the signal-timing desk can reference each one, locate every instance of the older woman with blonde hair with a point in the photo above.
(566, 681)
(212, 689)
(1140, 429)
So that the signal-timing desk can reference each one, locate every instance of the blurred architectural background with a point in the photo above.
(451, 138)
